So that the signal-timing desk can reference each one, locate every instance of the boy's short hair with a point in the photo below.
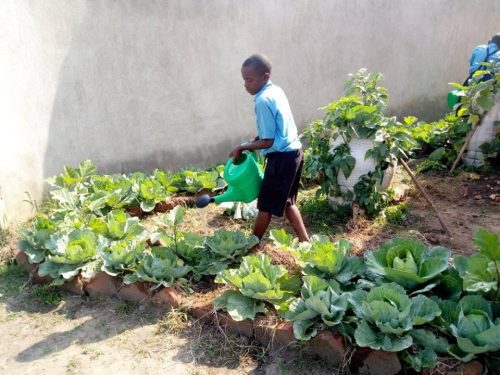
(496, 39)
(260, 63)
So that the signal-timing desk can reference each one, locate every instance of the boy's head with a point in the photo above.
(496, 39)
(256, 71)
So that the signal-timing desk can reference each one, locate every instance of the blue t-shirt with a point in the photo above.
(275, 119)
(479, 56)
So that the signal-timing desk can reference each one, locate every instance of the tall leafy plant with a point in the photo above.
(359, 114)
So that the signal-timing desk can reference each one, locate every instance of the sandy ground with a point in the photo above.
(92, 336)
(86, 336)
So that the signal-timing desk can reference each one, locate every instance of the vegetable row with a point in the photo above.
(120, 245)
(404, 297)
(82, 188)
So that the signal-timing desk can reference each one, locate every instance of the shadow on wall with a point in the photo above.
(126, 100)
(149, 85)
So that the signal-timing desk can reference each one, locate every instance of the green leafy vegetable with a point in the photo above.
(34, 240)
(120, 256)
(230, 246)
(68, 253)
(118, 225)
(160, 266)
(407, 261)
(258, 279)
(321, 300)
(387, 316)
(481, 272)
(471, 322)
(238, 306)
(322, 257)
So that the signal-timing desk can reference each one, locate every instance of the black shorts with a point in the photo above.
(281, 181)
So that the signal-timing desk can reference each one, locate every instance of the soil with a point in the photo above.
(88, 336)
(280, 257)
(456, 198)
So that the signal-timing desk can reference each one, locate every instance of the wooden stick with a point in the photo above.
(464, 147)
(426, 196)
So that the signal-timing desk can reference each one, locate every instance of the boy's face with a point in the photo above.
(253, 80)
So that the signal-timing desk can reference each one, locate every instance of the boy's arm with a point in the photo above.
(257, 144)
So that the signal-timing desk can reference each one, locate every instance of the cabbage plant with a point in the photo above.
(206, 255)
(210, 255)
(255, 279)
(159, 266)
(387, 316)
(34, 240)
(118, 225)
(109, 192)
(120, 256)
(230, 245)
(407, 262)
(193, 181)
(474, 326)
(68, 253)
(320, 301)
(192, 249)
(72, 178)
(321, 257)
(481, 272)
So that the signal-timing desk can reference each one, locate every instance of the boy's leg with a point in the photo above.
(261, 223)
(295, 218)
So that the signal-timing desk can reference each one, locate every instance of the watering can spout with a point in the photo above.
(244, 179)
(230, 195)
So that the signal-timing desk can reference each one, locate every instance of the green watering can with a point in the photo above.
(453, 98)
(244, 179)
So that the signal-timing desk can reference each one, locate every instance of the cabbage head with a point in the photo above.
(256, 281)
(407, 262)
(472, 322)
(387, 316)
(68, 253)
(320, 301)
(160, 266)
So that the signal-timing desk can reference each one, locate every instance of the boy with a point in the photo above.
(278, 139)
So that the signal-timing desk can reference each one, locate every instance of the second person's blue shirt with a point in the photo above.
(479, 55)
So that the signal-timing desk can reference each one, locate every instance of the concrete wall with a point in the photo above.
(145, 84)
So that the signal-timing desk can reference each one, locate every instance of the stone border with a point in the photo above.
(328, 344)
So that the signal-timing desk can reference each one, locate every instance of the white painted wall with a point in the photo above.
(145, 84)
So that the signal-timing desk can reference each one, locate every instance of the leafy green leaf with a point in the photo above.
(423, 310)
(407, 262)
(421, 359)
(488, 243)
(161, 266)
(259, 279)
(120, 256)
(238, 306)
(478, 273)
(365, 336)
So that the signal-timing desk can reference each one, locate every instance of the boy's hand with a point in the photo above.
(236, 153)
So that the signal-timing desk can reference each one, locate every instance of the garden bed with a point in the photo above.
(329, 345)
(173, 247)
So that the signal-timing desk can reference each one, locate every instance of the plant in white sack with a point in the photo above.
(353, 150)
